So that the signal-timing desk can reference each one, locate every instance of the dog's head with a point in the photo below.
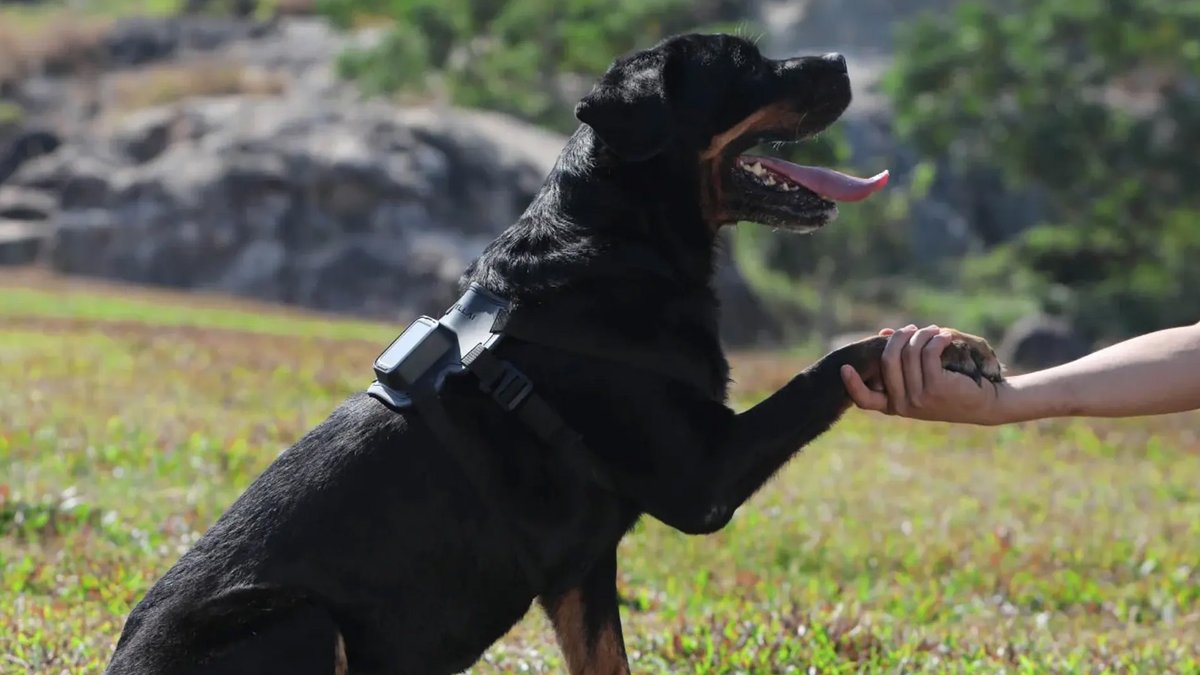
(702, 100)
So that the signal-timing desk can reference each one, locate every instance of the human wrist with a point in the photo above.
(1005, 404)
(1023, 398)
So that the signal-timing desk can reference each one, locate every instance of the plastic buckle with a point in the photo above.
(509, 389)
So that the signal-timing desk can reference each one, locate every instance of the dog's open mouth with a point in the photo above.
(748, 186)
(781, 194)
(832, 186)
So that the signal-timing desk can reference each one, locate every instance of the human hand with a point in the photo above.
(914, 382)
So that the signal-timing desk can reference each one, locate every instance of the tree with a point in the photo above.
(514, 56)
(1097, 102)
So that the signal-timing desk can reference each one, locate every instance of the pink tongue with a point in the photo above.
(828, 183)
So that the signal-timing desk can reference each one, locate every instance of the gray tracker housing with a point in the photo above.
(429, 350)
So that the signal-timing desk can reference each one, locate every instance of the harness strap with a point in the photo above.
(527, 324)
(509, 388)
(475, 461)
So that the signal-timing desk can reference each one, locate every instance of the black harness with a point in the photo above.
(412, 370)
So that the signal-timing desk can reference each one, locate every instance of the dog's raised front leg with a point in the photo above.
(718, 459)
(587, 622)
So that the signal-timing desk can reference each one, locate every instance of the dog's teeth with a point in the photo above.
(767, 177)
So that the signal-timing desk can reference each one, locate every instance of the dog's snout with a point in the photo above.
(835, 59)
(829, 63)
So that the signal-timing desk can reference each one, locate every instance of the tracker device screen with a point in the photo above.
(420, 347)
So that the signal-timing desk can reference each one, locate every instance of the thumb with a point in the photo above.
(862, 395)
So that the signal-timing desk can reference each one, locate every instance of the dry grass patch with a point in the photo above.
(59, 44)
(170, 83)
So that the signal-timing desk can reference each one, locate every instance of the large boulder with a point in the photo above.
(357, 208)
(1040, 341)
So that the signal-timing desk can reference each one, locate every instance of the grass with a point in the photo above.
(66, 36)
(32, 42)
(130, 420)
(170, 83)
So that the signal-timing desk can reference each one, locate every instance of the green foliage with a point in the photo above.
(11, 114)
(514, 56)
(1094, 102)
(399, 63)
(889, 546)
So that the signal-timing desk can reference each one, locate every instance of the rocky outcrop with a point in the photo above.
(358, 208)
(308, 196)
(140, 40)
(354, 208)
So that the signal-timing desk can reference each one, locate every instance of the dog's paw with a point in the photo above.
(974, 357)
(967, 354)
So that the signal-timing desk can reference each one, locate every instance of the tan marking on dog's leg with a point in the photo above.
(567, 617)
(610, 652)
(340, 665)
(605, 657)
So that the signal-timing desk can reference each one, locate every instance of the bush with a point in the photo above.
(1096, 104)
(520, 57)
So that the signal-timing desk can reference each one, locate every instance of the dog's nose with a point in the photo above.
(835, 59)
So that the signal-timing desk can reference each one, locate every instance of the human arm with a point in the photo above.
(1151, 374)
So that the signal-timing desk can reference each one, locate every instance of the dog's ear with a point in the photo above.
(629, 109)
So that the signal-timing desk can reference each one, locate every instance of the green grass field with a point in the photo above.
(130, 420)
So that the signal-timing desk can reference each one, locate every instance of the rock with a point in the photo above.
(138, 41)
(24, 147)
(255, 268)
(78, 236)
(145, 134)
(355, 208)
(1039, 341)
(18, 203)
(22, 241)
(77, 175)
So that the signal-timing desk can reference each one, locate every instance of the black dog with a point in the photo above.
(365, 548)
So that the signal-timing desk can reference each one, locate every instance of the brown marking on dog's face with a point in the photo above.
(600, 654)
(340, 665)
(771, 118)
